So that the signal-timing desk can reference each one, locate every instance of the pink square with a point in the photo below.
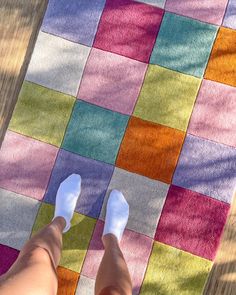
(136, 249)
(214, 112)
(129, 28)
(209, 11)
(116, 81)
(192, 222)
(25, 165)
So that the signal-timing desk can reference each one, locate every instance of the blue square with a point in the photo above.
(95, 132)
(183, 44)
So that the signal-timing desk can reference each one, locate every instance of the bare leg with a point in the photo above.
(34, 271)
(113, 277)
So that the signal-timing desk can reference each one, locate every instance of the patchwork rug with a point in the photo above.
(134, 95)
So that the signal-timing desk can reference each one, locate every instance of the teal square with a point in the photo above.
(183, 44)
(95, 132)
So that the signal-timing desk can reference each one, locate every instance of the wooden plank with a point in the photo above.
(222, 279)
(19, 24)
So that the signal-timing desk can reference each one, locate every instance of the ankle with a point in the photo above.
(59, 222)
(110, 240)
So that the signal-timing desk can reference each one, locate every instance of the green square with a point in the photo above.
(95, 132)
(183, 44)
(42, 113)
(75, 241)
(172, 271)
(167, 97)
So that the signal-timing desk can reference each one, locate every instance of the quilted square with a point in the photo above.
(95, 132)
(41, 113)
(95, 179)
(67, 281)
(222, 63)
(158, 3)
(192, 222)
(76, 20)
(172, 271)
(150, 149)
(167, 97)
(75, 241)
(17, 218)
(136, 33)
(183, 44)
(26, 165)
(7, 257)
(207, 167)
(85, 286)
(136, 255)
(229, 19)
(116, 80)
(57, 63)
(214, 112)
(209, 11)
(145, 196)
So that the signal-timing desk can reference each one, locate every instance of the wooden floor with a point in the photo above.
(19, 24)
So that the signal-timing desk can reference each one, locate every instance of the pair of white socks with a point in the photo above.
(117, 212)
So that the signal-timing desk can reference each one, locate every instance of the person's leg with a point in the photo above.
(34, 271)
(113, 277)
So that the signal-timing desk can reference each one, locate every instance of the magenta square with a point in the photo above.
(214, 112)
(116, 81)
(129, 28)
(135, 247)
(8, 256)
(26, 165)
(209, 11)
(192, 222)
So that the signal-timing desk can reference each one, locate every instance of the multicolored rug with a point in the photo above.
(138, 96)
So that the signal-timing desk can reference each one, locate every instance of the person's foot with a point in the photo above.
(66, 199)
(117, 215)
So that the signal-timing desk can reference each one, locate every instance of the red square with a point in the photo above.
(192, 222)
(129, 28)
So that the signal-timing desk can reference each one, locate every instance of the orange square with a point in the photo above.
(67, 281)
(222, 63)
(150, 149)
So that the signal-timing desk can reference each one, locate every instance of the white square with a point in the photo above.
(85, 286)
(57, 63)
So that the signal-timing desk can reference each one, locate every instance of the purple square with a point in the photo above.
(95, 179)
(74, 20)
(7, 258)
(207, 167)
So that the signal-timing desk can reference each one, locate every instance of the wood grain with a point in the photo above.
(19, 24)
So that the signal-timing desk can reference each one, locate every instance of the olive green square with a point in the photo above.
(42, 113)
(167, 97)
(173, 271)
(75, 241)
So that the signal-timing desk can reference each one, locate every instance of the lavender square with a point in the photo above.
(95, 179)
(74, 20)
(207, 167)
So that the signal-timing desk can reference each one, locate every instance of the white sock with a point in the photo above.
(117, 214)
(66, 199)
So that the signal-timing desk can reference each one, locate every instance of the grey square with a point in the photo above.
(145, 196)
(17, 216)
(57, 63)
(85, 286)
